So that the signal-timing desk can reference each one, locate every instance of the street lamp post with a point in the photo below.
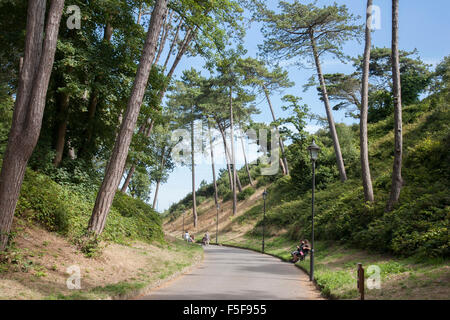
(264, 218)
(217, 223)
(314, 153)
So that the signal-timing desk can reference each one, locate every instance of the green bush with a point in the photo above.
(245, 194)
(228, 196)
(60, 209)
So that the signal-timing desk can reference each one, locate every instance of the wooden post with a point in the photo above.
(361, 280)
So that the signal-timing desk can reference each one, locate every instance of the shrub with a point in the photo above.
(60, 209)
(245, 194)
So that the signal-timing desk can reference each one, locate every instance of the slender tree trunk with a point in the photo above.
(164, 34)
(194, 199)
(139, 13)
(397, 180)
(29, 106)
(222, 132)
(233, 160)
(211, 146)
(71, 151)
(158, 181)
(175, 38)
(127, 181)
(246, 163)
(62, 127)
(229, 161)
(334, 136)
(188, 37)
(364, 148)
(283, 163)
(113, 172)
(238, 180)
(108, 32)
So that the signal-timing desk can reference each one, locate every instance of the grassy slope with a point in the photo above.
(50, 218)
(38, 265)
(418, 223)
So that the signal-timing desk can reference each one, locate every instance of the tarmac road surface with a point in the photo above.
(237, 274)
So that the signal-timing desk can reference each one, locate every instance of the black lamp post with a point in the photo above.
(264, 219)
(314, 154)
(217, 223)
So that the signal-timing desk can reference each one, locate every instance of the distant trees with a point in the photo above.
(40, 46)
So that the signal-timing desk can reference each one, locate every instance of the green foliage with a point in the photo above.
(417, 226)
(6, 108)
(414, 75)
(245, 194)
(288, 33)
(63, 210)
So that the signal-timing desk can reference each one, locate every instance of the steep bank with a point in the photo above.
(409, 244)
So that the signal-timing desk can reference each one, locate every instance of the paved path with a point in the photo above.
(237, 274)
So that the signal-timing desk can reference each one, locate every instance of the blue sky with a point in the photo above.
(424, 25)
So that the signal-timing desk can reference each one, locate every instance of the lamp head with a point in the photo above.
(313, 149)
(264, 194)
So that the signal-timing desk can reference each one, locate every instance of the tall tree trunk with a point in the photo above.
(158, 181)
(229, 161)
(246, 163)
(364, 148)
(334, 136)
(397, 180)
(114, 169)
(29, 106)
(194, 199)
(283, 163)
(62, 127)
(211, 146)
(224, 139)
(233, 160)
(175, 38)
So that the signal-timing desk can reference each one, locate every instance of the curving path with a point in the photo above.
(238, 274)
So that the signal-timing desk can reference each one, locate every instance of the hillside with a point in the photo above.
(414, 236)
(129, 258)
